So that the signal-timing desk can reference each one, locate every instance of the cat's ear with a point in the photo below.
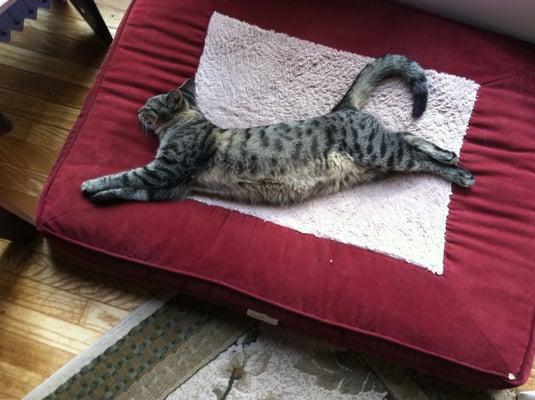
(174, 99)
(188, 89)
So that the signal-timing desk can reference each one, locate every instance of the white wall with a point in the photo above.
(512, 17)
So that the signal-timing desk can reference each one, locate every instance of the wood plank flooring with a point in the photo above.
(45, 73)
(48, 313)
(50, 309)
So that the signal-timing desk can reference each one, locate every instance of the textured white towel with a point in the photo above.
(249, 76)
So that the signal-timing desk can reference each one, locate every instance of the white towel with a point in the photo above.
(250, 76)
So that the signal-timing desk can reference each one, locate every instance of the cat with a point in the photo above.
(283, 163)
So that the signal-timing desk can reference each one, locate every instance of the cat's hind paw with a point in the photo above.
(464, 178)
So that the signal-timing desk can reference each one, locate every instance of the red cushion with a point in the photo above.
(474, 324)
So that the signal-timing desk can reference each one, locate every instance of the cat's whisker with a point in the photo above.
(145, 129)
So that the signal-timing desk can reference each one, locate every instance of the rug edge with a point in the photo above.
(54, 381)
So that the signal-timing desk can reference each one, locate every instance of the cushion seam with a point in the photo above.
(515, 75)
(476, 323)
(527, 353)
(75, 130)
(260, 298)
(453, 293)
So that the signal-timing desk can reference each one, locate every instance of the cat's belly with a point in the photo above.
(317, 178)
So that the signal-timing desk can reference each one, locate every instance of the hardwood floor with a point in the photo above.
(48, 312)
(45, 73)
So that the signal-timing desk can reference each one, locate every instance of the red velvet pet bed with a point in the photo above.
(473, 324)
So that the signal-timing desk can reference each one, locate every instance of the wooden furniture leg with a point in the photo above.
(5, 124)
(88, 9)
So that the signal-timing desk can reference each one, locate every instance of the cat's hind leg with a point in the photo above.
(452, 173)
(428, 157)
(429, 148)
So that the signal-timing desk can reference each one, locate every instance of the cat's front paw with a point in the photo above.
(90, 187)
(105, 197)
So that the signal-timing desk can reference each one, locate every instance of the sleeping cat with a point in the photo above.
(283, 163)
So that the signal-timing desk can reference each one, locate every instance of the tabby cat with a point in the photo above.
(283, 163)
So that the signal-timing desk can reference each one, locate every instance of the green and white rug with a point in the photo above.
(175, 348)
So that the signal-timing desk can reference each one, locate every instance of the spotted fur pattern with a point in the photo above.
(282, 163)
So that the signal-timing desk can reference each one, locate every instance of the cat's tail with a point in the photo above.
(385, 67)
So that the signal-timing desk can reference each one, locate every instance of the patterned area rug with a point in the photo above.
(177, 348)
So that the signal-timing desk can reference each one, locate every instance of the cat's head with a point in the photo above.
(161, 110)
